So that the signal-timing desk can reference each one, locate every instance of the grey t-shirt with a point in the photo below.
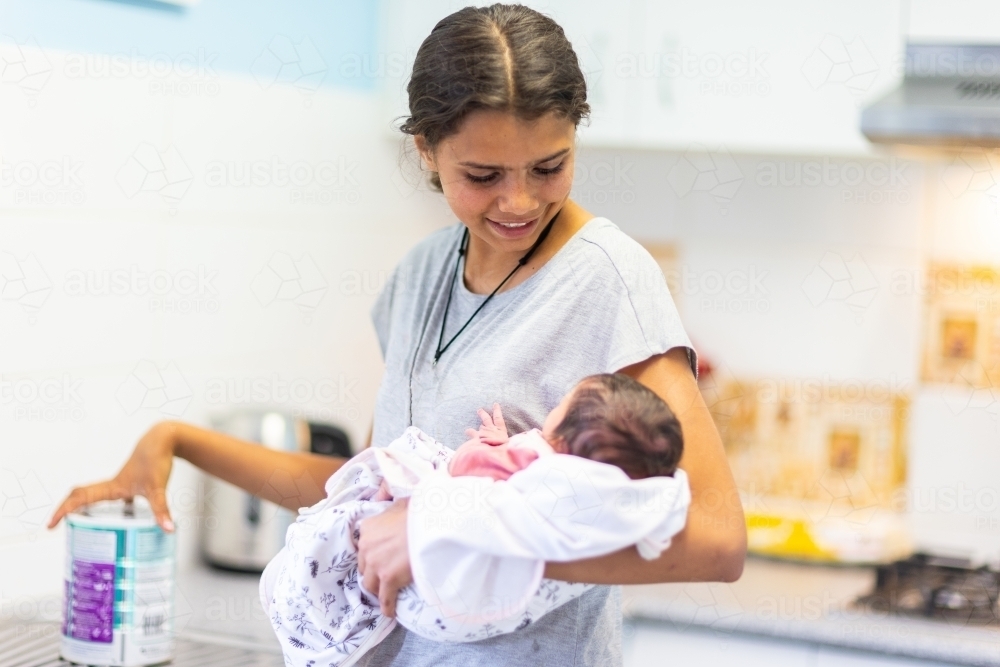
(600, 304)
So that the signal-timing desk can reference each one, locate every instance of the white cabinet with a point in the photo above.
(955, 21)
(773, 76)
(652, 644)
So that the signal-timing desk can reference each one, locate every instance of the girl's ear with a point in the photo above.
(426, 154)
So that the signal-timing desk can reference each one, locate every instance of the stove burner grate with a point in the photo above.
(934, 587)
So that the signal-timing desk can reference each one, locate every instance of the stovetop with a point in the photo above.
(934, 587)
(37, 645)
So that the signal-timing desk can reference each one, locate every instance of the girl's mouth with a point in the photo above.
(513, 229)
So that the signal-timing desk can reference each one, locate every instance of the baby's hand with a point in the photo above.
(494, 430)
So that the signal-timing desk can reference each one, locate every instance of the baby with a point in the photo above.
(609, 418)
(478, 567)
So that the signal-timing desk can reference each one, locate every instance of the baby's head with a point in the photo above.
(614, 419)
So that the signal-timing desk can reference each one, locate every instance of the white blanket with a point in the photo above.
(478, 547)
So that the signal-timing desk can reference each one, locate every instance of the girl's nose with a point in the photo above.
(518, 197)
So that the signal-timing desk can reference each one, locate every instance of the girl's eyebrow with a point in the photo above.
(476, 165)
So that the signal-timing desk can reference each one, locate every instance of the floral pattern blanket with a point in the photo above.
(478, 546)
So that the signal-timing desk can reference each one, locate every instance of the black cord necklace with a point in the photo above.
(463, 248)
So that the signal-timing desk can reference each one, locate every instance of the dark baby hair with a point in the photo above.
(614, 419)
(501, 57)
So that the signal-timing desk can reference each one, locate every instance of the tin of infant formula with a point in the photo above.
(119, 586)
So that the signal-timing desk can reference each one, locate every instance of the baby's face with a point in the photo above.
(553, 419)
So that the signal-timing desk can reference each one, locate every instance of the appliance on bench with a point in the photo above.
(240, 531)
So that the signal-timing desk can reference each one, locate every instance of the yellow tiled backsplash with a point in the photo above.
(820, 466)
(962, 333)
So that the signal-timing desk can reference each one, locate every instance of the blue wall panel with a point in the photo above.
(330, 37)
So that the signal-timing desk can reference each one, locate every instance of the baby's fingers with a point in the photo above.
(485, 416)
(498, 417)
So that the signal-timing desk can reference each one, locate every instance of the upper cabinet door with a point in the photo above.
(770, 76)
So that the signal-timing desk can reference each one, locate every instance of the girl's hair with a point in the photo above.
(613, 419)
(501, 57)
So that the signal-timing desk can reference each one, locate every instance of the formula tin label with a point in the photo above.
(91, 586)
(119, 582)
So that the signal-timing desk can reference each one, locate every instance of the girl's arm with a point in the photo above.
(290, 479)
(712, 546)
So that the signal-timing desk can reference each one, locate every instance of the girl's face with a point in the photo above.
(503, 176)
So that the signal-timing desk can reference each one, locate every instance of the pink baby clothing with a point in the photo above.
(499, 462)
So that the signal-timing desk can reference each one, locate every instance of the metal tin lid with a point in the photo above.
(114, 514)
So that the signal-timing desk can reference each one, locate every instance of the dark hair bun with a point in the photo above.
(501, 57)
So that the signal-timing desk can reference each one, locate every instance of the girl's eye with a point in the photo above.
(551, 170)
(538, 170)
(481, 179)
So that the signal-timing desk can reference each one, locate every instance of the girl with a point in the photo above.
(527, 294)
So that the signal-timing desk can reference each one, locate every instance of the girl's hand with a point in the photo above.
(384, 555)
(144, 474)
(494, 430)
(383, 492)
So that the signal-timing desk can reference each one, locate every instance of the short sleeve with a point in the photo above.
(647, 322)
(381, 312)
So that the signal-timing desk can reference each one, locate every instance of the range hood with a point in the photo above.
(950, 96)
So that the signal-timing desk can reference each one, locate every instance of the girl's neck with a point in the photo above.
(485, 267)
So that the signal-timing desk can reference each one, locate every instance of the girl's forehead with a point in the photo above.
(501, 139)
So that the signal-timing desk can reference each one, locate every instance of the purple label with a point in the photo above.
(93, 601)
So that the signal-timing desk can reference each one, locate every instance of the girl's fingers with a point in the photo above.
(65, 508)
(387, 599)
(370, 582)
(84, 495)
(158, 503)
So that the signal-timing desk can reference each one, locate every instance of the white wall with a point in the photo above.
(347, 225)
(86, 217)
(753, 265)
